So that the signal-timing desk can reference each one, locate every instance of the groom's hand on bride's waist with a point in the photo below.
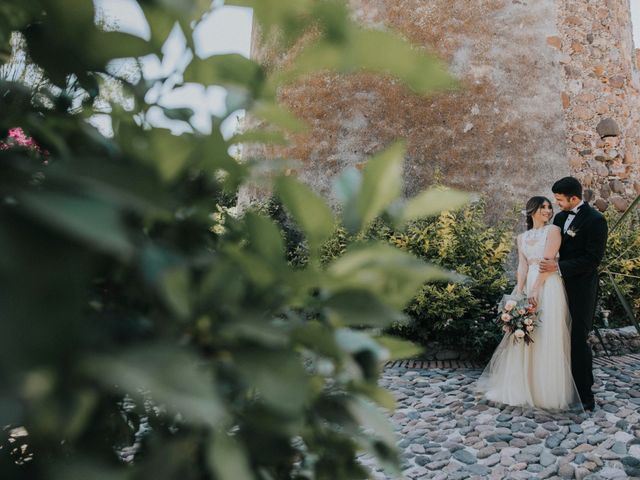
(548, 265)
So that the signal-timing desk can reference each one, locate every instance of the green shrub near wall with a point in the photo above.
(458, 314)
(622, 259)
(450, 314)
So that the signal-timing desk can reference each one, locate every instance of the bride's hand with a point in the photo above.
(533, 300)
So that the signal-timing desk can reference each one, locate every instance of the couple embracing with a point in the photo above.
(558, 260)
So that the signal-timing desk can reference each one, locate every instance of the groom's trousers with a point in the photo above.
(582, 297)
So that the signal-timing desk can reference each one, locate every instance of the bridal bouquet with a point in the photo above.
(518, 318)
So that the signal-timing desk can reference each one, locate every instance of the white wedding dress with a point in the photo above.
(538, 374)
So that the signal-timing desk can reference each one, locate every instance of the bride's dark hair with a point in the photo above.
(533, 205)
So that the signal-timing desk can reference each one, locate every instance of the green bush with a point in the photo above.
(457, 314)
(622, 261)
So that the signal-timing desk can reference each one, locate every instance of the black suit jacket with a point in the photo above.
(581, 252)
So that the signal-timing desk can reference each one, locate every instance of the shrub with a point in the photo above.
(451, 314)
(459, 314)
(622, 260)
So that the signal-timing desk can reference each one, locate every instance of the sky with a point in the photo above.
(635, 20)
(226, 30)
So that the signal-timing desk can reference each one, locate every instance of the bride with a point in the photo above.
(538, 374)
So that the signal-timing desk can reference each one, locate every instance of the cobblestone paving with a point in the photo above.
(447, 431)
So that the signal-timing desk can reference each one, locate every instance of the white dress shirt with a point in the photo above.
(570, 218)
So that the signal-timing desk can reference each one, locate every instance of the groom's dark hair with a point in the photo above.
(568, 186)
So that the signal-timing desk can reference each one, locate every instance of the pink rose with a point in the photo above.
(529, 328)
(518, 333)
(505, 317)
(522, 311)
(509, 305)
(528, 321)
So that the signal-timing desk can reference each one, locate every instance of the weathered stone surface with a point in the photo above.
(607, 127)
(619, 203)
(465, 456)
(617, 81)
(566, 470)
(507, 115)
(516, 110)
(554, 41)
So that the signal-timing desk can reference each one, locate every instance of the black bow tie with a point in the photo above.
(571, 212)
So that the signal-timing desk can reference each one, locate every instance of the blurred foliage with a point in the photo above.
(150, 333)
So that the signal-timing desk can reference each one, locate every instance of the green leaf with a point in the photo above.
(277, 375)
(347, 186)
(259, 136)
(131, 186)
(212, 154)
(381, 185)
(158, 147)
(257, 269)
(395, 276)
(371, 418)
(374, 51)
(89, 220)
(183, 114)
(237, 98)
(266, 238)
(317, 337)
(381, 396)
(172, 377)
(228, 458)
(362, 308)
(278, 116)
(308, 209)
(83, 469)
(432, 202)
(175, 288)
(228, 69)
(106, 46)
(186, 10)
(284, 16)
(354, 341)
(399, 349)
(256, 329)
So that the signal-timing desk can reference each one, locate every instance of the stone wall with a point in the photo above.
(601, 99)
(538, 79)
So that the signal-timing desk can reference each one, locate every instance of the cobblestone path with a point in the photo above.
(447, 432)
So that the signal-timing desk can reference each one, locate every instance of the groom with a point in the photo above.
(583, 243)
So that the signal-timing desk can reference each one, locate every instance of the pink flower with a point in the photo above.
(505, 328)
(519, 333)
(522, 311)
(509, 305)
(505, 317)
(528, 321)
(18, 137)
(529, 328)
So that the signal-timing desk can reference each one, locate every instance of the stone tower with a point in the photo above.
(550, 88)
